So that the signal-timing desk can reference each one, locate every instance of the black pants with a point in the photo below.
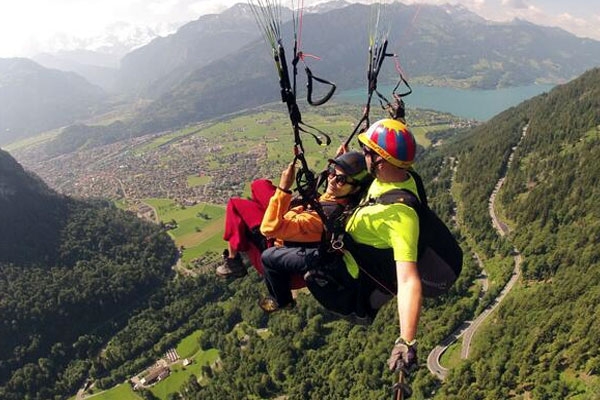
(356, 299)
(280, 263)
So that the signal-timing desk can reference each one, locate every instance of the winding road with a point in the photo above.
(468, 328)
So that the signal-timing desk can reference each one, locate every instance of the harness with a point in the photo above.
(439, 255)
(331, 211)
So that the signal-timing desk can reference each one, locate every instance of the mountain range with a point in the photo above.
(164, 62)
(34, 99)
(211, 66)
(97, 68)
(87, 290)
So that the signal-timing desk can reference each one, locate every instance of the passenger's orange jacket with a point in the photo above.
(294, 225)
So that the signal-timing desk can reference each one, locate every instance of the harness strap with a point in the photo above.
(394, 196)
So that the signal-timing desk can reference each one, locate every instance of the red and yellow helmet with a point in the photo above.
(392, 140)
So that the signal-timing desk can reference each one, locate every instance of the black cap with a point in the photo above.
(353, 164)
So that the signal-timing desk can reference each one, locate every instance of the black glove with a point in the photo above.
(403, 357)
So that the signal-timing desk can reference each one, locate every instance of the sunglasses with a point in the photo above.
(340, 179)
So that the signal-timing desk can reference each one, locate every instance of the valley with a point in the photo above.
(201, 166)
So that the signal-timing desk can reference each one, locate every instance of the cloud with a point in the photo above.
(579, 26)
(208, 7)
(29, 26)
(570, 19)
(518, 4)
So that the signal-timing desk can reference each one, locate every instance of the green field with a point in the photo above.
(32, 141)
(199, 227)
(169, 137)
(179, 374)
(451, 357)
(272, 129)
(195, 180)
(189, 345)
(119, 392)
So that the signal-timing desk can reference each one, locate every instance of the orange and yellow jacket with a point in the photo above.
(292, 225)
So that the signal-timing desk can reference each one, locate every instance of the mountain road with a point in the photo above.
(468, 329)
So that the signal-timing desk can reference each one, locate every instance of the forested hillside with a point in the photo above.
(71, 272)
(543, 341)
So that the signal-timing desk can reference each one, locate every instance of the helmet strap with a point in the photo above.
(375, 164)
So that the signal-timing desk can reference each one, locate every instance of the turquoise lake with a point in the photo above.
(475, 104)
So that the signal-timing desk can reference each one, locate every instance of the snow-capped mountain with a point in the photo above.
(117, 40)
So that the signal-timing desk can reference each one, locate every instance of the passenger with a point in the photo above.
(299, 230)
(243, 218)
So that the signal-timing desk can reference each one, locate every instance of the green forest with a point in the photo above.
(71, 273)
(544, 339)
(87, 290)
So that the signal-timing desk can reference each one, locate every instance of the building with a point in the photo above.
(155, 375)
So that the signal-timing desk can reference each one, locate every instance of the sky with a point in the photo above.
(28, 27)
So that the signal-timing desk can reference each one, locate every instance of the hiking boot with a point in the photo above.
(269, 305)
(231, 267)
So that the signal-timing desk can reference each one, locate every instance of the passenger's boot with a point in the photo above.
(231, 267)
